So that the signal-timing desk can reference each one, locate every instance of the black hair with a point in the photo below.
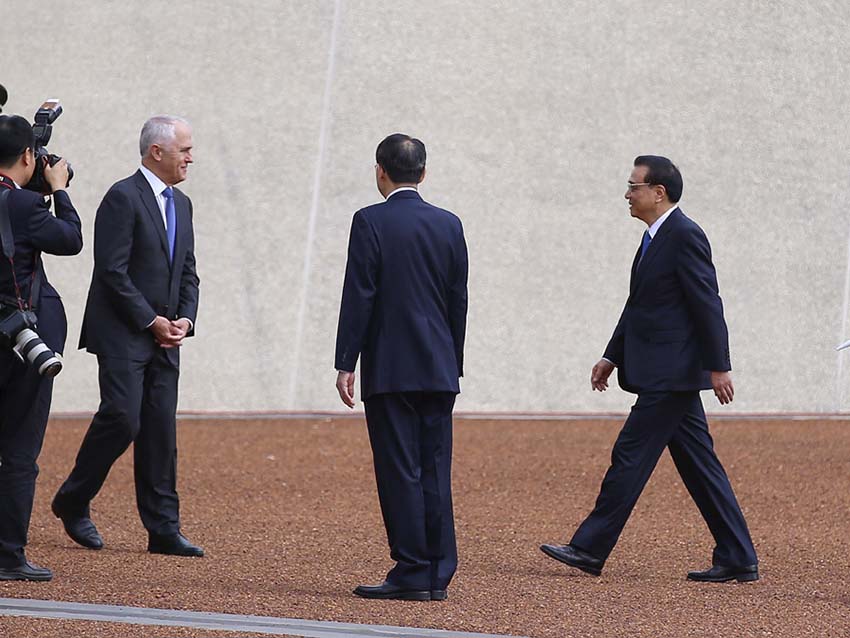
(662, 172)
(402, 157)
(15, 137)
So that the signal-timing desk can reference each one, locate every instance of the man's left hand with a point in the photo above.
(345, 387)
(179, 329)
(723, 388)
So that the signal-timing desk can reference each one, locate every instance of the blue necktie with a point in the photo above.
(644, 244)
(170, 220)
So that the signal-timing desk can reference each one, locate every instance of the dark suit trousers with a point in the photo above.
(411, 438)
(675, 420)
(24, 408)
(138, 403)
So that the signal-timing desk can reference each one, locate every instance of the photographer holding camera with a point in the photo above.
(28, 229)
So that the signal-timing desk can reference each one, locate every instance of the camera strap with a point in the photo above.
(8, 244)
(5, 225)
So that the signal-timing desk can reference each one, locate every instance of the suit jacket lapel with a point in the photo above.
(633, 278)
(149, 200)
(639, 269)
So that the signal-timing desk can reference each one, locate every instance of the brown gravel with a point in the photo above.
(288, 514)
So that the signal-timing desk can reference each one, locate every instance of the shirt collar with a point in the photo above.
(654, 228)
(157, 185)
(402, 188)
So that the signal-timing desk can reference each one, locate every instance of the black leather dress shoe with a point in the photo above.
(574, 557)
(173, 545)
(721, 574)
(27, 571)
(439, 594)
(81, 529)
(388, 591)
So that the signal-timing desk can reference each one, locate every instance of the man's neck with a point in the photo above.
(660, 209)
(153, 169)
(11, 176)
(393, 187)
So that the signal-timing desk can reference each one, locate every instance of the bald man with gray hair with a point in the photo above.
(141, 306)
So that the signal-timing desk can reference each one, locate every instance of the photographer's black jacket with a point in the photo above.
(37, 230)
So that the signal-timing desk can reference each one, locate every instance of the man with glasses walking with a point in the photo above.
(670, 343)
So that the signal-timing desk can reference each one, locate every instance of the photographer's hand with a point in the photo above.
(57, 175)
(167, 335)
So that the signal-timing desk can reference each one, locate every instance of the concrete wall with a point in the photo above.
(531, 112)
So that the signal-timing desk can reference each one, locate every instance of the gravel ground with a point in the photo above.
(288, 514)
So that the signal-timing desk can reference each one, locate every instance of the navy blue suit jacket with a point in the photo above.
(133, 280)
(672, 331)
(404, 299)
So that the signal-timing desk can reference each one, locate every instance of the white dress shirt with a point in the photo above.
(402, 188)
(157, 186)
(657, 224)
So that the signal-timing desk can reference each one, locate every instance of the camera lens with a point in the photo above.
(42, 358)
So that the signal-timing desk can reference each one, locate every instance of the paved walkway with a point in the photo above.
(218, 622)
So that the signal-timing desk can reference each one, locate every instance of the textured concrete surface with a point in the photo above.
(531, 112)
(288, 515)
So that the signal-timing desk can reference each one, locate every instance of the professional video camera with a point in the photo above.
(16, 332)
(42, 129)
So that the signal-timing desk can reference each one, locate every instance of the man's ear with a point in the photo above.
(28, 157)
(155, 152)
(422, 177)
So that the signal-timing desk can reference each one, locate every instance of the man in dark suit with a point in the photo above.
(24, 393)
(670, 343)
(404, 312)
(142, 303)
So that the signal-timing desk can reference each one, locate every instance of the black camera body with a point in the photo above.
(17, 332)
(42, 128)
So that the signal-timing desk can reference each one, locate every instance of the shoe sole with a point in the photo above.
(741, 578)
(34, 579)
(165, 553)
(593, 571)
(439, 594)
(407, 595)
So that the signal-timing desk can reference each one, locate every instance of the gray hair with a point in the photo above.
(158, 130)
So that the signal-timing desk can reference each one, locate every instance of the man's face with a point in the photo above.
(173, 158)
(641, 196)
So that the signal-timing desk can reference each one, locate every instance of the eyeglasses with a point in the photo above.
(633, 186)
